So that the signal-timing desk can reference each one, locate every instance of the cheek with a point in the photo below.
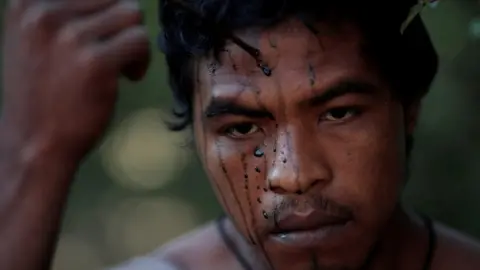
(370, 170)
(237, 177)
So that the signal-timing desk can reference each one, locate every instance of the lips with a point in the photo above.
(313, 220)
(312, 229)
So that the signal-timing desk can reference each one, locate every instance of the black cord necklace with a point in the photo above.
(432, 245)
(231, 245)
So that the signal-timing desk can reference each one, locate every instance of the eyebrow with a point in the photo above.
(221, 107)
(341, 89)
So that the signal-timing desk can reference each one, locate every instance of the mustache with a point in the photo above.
(328, 206)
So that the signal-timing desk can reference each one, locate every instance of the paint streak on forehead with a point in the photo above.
(288, 44)
(287, 48)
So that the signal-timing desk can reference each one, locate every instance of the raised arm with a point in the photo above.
(61, 63)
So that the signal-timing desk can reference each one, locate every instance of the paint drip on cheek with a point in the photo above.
(231, 185)
(311, 74)
(259, 152)
(247, 195)
(314, 264)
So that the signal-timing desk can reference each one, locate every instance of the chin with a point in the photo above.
(337, 247)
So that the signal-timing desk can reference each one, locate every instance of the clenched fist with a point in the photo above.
(62, 61)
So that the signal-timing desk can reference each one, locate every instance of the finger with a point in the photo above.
(70, 6)
(84, 7)
(137, 69)
(44, 16)
(107, 23)
(18, 4)
(128, 52)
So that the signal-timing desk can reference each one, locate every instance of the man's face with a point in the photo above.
(310, 160)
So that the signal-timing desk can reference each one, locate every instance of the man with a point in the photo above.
(303, 114)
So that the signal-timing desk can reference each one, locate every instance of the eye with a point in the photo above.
(241, 130)
(340, 114)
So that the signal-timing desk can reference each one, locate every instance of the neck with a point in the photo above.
(402, 245)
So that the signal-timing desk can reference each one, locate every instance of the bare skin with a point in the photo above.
(62, 60)
(321, 137)
(454, 251)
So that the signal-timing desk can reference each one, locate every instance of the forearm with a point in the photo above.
(64, 59)
(33, 191)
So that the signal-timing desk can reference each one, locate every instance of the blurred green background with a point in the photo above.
(143, 186)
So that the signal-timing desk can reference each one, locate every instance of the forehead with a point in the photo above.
(295, 51)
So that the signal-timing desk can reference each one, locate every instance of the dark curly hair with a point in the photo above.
(196, 28)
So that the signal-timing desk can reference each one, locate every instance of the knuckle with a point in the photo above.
(40, 16)
(137, 37)
(14, 5)
(131, 11)
(140, 38)
(141, 33)
(68, 35)
(87, 59)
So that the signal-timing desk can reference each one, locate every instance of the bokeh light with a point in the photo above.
(142, 154)
(76, 253)
(475, 28)
(140, 225)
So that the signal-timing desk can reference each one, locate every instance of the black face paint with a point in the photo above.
(212, 68)
(296, 168)
(272, 43)
(202, 120)
(247, 193)
(220, 31)
(275, 218)
(265, 166)
(274, 160)
(267, 257)
(232, 190)
(258, 152)
(312, 75)
(308, 22)
(281, 105)
(310, 27)
(255, 53)
(371, 256)
(234, 66)
(256, 92)
(314, 264)
(266, 70)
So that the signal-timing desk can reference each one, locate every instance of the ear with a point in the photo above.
(412, 112)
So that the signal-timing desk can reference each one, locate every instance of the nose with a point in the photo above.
(299, 164)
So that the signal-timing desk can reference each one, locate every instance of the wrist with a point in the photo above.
(32, 152)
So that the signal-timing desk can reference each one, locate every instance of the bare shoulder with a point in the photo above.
(455, 250)
(200, 249)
